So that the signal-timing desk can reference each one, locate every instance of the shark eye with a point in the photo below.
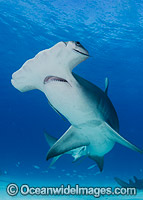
(77, 43)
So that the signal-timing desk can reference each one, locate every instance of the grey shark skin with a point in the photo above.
(75, 153)
(94, 121)
(137, 183)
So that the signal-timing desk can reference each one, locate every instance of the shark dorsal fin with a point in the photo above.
(99, 160)
(70, 140)
(106, 85)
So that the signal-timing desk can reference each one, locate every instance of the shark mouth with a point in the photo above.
(49, 79)
(81, 52)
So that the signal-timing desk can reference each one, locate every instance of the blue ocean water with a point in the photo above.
(112, 31)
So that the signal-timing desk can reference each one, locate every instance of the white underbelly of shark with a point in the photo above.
(71, 102)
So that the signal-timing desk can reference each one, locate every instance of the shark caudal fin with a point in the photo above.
(51, 141)
(113, 135)
(69, 141)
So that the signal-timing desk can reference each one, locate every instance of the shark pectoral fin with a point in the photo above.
(50, 139)
(106, 85)
(99, 160)
(54, 160)
(70, 140)
(113, 135)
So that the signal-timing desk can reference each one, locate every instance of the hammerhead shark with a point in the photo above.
(94, 121)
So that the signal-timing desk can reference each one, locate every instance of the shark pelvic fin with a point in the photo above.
(99, 160)
(70, 140)
(113, 135)
(79, 160)
(106, 85)
(50, 139)
(76, 159)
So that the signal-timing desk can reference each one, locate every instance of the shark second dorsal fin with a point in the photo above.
(99, 160)
(70, 140)
(106, 85)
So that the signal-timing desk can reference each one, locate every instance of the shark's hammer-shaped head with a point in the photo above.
(54, 62)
